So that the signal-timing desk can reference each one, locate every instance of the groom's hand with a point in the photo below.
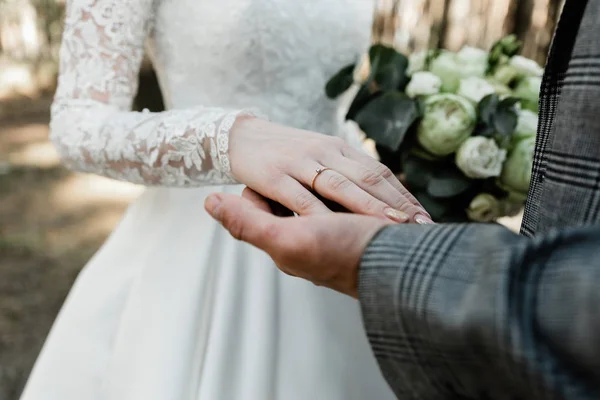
(324, 249)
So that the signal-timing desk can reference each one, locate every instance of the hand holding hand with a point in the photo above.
(325, 249)
(281, 163)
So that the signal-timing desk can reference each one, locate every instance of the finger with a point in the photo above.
(374, 165)
(259, 201)
(266, 204)
(339, 196)
(375, 183)
(293, 195)
(243, 219)
(335, 186)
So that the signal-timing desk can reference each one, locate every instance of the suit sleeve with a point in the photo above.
(476, 311)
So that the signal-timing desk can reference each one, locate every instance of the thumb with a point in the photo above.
(243, 219)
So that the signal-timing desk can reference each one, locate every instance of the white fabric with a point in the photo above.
(172, 307)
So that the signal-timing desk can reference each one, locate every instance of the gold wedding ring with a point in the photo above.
(318, 171)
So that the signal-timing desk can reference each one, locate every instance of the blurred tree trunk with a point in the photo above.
(477, 23)
(553, 15)
(452, 24)
(520, 17)
(534, 21)
(422, 24)
(441, 29)
(385, 21)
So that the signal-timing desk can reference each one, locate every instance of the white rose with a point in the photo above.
(501, 90)
(526, 67)
(506, 74)
(480, 157)
(474, 61)
(448, 69)
(487, 208)
(416, 62)
(528, 90)
(484, 208)
(475, 89)
(423, 83)
(526, 125)
(448, 120)
(470, 54)
(516, 172)
(452, 67)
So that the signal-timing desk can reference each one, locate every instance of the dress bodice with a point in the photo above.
(273, 55)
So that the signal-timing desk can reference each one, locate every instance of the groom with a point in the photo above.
(475, 311)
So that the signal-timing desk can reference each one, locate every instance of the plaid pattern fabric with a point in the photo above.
(477, 312)
(565, 183)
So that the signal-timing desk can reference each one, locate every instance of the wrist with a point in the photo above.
(243, 136)
(242, 123)
(370, 229)
(247, 125)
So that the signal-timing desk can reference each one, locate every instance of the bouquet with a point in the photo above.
(457, 127)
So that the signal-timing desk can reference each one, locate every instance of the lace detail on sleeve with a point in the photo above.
(92, 127)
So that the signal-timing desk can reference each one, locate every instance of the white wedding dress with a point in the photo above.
(172, 307)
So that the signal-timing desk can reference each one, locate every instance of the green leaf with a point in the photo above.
(485, 131)
(487, 108)
(388, 68)
(340, 82)
(458, 217)
(447, 183)
(391, 159)
(421, 105)
(503, 50)
(505, 122)
(436, 208)
(510, 45)
(387, 118)
(506, 118)
(497, 118)
(432, 54)
(424, 154)
(418, 172)
(509, 102)
(388, 73)
(361, 99)
(490, 186)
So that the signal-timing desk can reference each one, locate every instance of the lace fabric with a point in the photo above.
(92, 125)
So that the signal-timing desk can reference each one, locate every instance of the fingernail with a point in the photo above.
(395, 215)
(420, 219)
(211, 204)
(425, 213)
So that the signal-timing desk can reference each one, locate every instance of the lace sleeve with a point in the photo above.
(92, 125)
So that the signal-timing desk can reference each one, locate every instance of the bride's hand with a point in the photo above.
(281, 163)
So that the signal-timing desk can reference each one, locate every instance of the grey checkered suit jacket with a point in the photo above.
(477, 312)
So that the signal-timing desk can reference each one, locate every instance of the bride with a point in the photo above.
(171, 307)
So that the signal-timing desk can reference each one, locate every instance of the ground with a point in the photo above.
(51, 222)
